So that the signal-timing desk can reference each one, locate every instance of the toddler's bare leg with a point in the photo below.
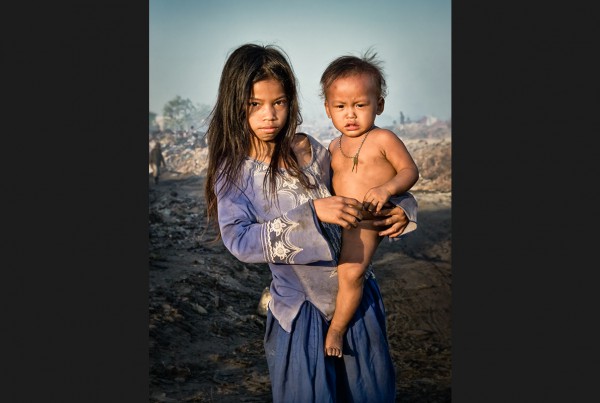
(358, 246)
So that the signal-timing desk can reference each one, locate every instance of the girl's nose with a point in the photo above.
(269, 112)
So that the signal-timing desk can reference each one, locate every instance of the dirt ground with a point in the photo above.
(205, 332)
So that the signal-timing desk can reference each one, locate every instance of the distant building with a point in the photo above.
(428, 120)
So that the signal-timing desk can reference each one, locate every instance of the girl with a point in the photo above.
(269, 190)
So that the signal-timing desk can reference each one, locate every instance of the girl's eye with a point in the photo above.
(281, 102)
(252, 103)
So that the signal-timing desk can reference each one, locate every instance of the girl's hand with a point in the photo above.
(395, 218)
(340, 210)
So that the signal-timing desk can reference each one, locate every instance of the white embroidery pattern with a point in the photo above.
(277, 242)
(277, 226)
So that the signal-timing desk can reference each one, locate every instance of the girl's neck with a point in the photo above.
(261, 151)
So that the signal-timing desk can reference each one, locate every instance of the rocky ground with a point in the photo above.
(205, 332)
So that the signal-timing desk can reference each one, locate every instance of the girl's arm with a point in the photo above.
(295, 237)
(292, 238)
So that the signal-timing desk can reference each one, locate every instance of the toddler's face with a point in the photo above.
(352, 104)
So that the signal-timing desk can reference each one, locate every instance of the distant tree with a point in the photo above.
(181, 114)
(202, 112)
(178, 114)
(152, 126)
(401, 118)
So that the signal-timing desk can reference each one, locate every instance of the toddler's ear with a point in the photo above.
(380, 105)
(327, 109)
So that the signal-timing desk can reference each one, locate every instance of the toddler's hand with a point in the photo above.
(375, 199)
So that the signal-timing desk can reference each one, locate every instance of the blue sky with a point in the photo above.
(190, 40)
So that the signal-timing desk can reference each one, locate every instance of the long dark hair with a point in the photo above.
(229, 134)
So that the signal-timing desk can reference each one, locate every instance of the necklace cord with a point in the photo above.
(355, 157)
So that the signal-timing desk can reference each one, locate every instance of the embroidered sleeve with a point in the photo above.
(292, 238)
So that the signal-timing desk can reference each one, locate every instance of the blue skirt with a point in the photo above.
(301, 373)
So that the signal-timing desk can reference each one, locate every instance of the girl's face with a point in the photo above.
(352, 104)
(267, 109)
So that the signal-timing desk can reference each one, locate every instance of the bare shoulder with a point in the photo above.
(383, 133)
(386, 136)
(301, 142)
(333, 144)
(302, 149)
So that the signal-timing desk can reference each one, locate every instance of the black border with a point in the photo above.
(75, 287)
(525, 102)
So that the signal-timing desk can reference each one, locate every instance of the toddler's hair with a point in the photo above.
(348, 65)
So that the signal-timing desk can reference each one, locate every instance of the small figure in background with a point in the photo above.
(156, 160)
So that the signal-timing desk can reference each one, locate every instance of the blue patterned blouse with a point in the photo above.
(301, 251)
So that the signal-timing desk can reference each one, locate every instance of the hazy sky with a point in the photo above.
(190, 40)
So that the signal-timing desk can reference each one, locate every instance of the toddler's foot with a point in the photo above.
(333, 343)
